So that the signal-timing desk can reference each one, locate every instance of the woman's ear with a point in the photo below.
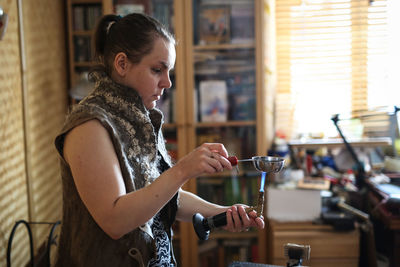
(121, 63)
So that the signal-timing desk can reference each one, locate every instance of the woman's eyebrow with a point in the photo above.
(165, 65)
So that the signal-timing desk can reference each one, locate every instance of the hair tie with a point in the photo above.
(109, 26)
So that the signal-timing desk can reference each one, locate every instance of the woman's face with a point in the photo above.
(151, 75)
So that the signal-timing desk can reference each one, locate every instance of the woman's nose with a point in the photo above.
(166, 82)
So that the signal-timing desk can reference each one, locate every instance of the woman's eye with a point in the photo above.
(156, 70)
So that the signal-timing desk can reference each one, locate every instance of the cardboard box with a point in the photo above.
(286, 205)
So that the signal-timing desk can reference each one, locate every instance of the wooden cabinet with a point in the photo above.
(82, 16)
(328, 247)
(218, 95)
(226, 102)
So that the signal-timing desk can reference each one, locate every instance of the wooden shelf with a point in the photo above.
(229, 235)
(84, 2)
(227, 174)
(223, 47)
(82, 33)
(316, 143)
(170, 126)
(225, 124)
(84, 64)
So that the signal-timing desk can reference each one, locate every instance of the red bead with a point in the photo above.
(233, 160)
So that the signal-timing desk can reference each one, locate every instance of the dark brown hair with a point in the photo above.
(133, 34)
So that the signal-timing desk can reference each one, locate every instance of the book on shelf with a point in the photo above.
(213, 101)
(242, 23)
(167, 105)
(242, 190)
(244, 193)
(237, 250)
(171, 145)
(125, 9)
(207, 246)
(213, 24)
(164, 104)
(210, 69)
(231, 189)
(241, 95)
(94, 12)
(226, 2)
(254, 253)
(211, 189)
(243, 106)
(163, 12)
(78, 18)
(82, 48)
(210, 256)
(84, 17)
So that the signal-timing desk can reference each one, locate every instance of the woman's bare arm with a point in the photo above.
(237, 218)
(94, 164)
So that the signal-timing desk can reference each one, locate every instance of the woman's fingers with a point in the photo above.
(219, 162)
(239, 220)
(229, 220)
(217, 147)
(246, 220)
(257, 221)
(260, 224)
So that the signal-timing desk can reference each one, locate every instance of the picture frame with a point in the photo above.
(214, 24)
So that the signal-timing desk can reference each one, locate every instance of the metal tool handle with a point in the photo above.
(234, 160)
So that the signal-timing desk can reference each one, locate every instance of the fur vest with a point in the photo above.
(139, 144)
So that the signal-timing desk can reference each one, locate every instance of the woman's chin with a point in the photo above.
(151, 105)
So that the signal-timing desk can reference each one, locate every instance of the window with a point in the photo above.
(334, 56)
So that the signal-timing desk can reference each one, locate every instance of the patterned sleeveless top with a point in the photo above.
(140, 147)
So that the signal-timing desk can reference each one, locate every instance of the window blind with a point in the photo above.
(331, 58)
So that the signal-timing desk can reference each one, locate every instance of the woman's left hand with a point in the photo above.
(238, 220)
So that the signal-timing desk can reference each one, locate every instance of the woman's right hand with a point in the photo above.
(206, 159)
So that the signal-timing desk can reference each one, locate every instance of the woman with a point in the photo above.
(121, 193)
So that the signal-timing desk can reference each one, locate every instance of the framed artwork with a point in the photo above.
(214, 25)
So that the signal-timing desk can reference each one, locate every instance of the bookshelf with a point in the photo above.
(223, 43)
(82, 16)
(236, 63)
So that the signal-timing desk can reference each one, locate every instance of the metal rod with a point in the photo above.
(242, 160)
(360, 175)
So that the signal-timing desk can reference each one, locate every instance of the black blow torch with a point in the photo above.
(264, 164)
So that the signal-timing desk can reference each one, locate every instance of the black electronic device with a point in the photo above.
(296, 254)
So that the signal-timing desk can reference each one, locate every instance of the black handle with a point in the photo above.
(218, 220)
(202, 225)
